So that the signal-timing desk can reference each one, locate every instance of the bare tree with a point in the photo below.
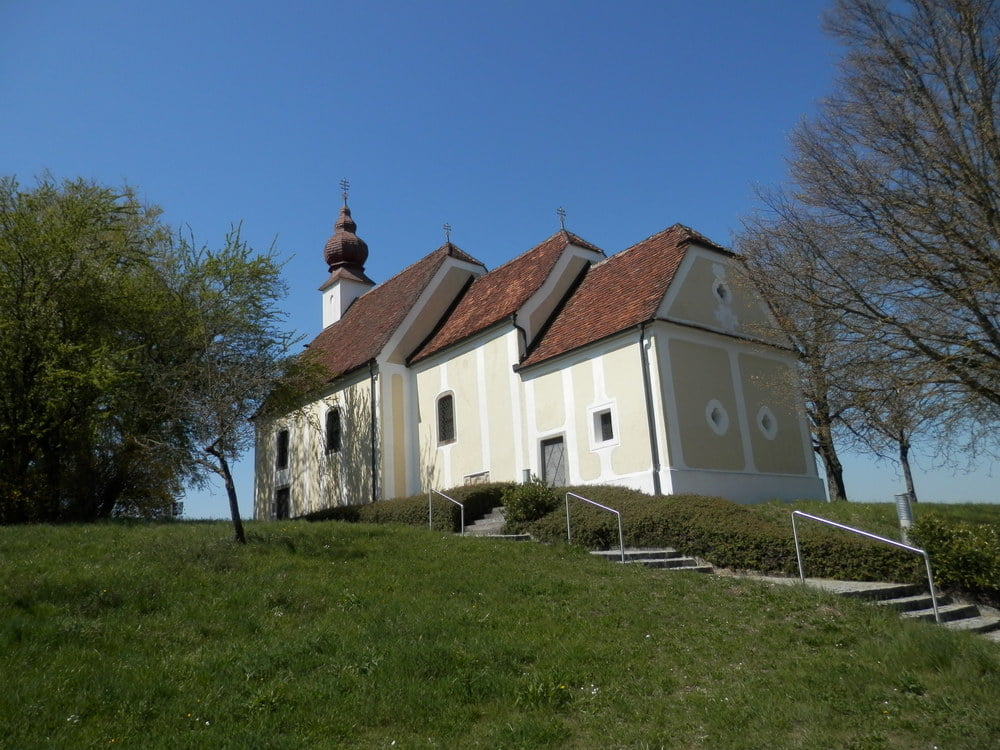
(892, 406)
(904, 159)
(779, 249)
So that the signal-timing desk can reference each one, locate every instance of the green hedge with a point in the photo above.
(724, 533)
(965, 556)
(478, 500)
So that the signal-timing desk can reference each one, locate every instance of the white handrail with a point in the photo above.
(430, 509)
(893, 542)
(569, 535)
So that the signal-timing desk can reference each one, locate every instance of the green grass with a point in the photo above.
(877, 518)
(349, 635)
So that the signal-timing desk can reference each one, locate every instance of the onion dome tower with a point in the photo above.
(345, 254)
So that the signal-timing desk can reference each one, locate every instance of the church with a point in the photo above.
(657, 367)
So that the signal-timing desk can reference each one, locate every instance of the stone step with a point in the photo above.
(507, 537)
(912, 603)
(948, 612)
(988, 625)
(877, 592)
(632, 553)
(665, 558)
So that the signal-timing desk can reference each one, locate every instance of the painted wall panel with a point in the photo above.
(623, 374)
(775, 428)
(398, 426)
(550, 413)
(703, 389)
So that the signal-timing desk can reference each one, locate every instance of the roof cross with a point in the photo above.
(561, 213)
(447, 232)
(345, 186)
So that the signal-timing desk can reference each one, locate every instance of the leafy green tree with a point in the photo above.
(130, 360)
(239, 356)
(78, 296)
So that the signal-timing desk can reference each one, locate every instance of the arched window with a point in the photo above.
(446, 418)
(334, 435)
(281, 458)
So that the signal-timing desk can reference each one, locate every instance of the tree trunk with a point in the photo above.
(234, 506)
(904, 461)
(831, 465)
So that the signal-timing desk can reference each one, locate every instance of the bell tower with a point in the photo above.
(345, 255)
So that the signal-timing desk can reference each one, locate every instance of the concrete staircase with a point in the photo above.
(665, 558)
(910, 600)
(491, 525)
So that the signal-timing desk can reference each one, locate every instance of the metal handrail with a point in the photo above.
(430, 509)
(893, 542)
(569, 535)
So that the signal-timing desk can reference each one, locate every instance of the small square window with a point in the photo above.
(604, 427)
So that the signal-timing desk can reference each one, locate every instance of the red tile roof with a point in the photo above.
(618, 293)
(500, 293)
(368, 324)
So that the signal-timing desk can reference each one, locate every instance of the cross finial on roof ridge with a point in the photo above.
(345, 186)
(561, 213)
(447, 232)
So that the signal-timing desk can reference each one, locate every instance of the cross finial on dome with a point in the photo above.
(345, 186)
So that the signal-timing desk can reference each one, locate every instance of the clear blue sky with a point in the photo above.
(630, 115)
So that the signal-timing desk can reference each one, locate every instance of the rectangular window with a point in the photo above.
(446, 418)
(281, 459)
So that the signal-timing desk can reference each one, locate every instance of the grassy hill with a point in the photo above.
(351, 635)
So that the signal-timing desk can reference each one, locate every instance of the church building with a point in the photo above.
(657, 368)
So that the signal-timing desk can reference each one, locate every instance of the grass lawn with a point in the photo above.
(336, 635)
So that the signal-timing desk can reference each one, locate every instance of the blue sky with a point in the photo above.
(630, 115)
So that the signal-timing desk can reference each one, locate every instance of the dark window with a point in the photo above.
(446, 419)
(281, 461)
(606, 431)
(282, 504)
(333, 431)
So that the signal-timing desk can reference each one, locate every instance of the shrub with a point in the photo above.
(528, 502)
(965, 556)
(724, 533)
(478, 500)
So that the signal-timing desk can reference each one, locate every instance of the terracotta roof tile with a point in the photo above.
(500, 293)
(618, 293)
(368, 324)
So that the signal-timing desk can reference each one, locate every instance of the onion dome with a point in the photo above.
(345, 249)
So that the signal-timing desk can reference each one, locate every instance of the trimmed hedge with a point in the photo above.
(724, 533)
(965, 556)
(478, 499)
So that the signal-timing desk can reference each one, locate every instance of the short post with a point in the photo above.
(905, 512)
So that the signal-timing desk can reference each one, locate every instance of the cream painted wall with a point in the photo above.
(315, 478)
(565, 399)
(478, 375)
(712, 291)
